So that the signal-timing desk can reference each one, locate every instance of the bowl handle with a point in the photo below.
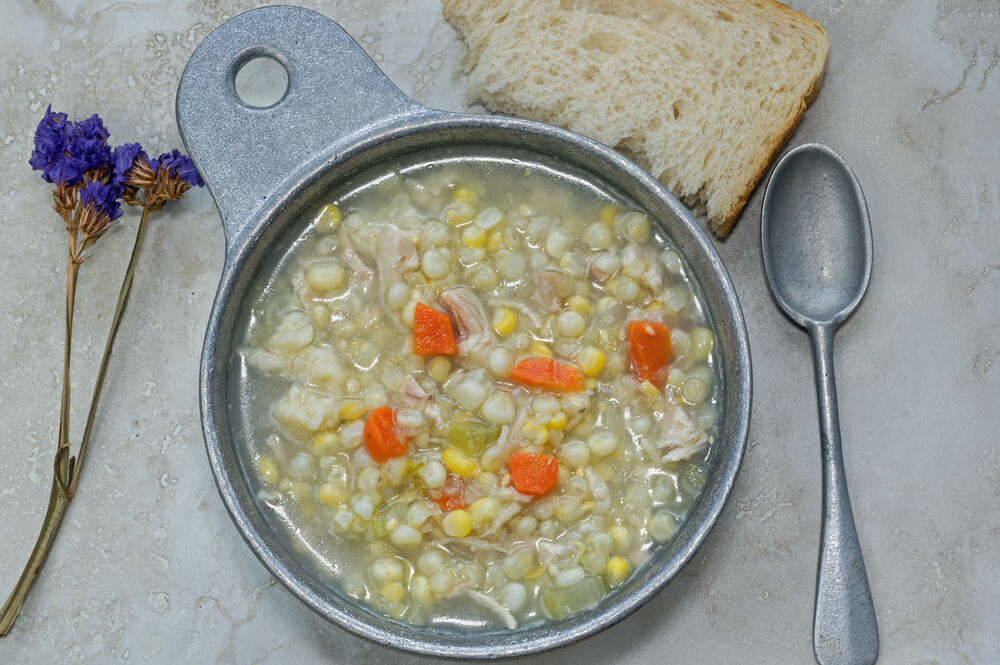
(247, 154)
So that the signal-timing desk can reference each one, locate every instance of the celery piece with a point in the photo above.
(560, 603)
(692, 481)
(471, 435)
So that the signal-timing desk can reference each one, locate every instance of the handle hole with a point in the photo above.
(261, 81)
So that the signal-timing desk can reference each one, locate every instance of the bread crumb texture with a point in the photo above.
(701, 93)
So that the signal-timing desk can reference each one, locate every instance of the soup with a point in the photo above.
(483, 391)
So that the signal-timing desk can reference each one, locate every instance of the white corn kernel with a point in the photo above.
(570, 323)
(397, 295)
(434, 264)
(325, 275)
(499, 408)
(405, 535)
(598, 236)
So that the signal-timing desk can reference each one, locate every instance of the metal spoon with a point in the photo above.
(817, 245)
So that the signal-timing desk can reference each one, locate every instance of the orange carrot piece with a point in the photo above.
(382, 435)
(649, 347)
(451, 495)
(533, 474)
(542, 372)
(432, 332)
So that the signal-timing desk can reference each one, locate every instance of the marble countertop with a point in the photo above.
(149, 568)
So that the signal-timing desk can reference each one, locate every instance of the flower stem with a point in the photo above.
(62, 468)
(58, 502)
(116, 320)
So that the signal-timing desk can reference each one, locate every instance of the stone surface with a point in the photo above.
(148, 567)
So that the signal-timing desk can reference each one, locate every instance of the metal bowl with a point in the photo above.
(266, 167)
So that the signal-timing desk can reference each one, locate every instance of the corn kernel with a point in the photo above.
(618, 569)
(656, 306)
(459, 463)
(457, 524)
(483, 510)
(649, 390)
(325, 444)
(540, 349)
(268, 471)
(535, 433)
(591, 360)
(473, 236)
(330, 494)
(353, 410)
(394, 591)
(495, 241)
(465, 194)
(504, 321)
(607, 214)
(558, 422)
(328, 219)
(579, 304)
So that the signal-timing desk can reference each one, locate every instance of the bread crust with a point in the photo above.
(735, 190)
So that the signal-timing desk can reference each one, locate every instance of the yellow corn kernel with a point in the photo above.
(495, 241)
(536, 573)
(607, 214)
(504, 321)
(457, 524)
(459, 217)
(590, 383)
(465, 194)
(618, 569)
(558, 422)
(325, 444)
(459, 463)
(649, 390)
(473, 236)
(579, 304)
(328, 219)
(394, 591)
(535, 434)
(330, 494)
(353, 410)
(591, 360)
(540, 349)
(656, 306)
(268, 471)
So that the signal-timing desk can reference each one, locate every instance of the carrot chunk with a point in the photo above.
(432, 332)
(533, 474)
(542, 372)
(451, 495)
(382, 435)
(649, 347)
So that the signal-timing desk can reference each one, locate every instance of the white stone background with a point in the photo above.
(149, 568)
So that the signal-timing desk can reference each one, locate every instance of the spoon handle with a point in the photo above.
(845, 631)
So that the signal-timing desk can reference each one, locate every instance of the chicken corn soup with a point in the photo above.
(483, 392)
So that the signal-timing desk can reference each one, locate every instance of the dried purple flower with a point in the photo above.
(180, 166)
(100, 207)
(51, 137)
(64, 151)
(125, 156)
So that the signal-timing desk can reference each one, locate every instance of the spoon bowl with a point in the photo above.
(816, 239)
(817, 246)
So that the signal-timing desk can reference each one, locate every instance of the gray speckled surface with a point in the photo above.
(148, 567)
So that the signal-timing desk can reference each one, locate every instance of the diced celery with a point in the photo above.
(471, 435)
(692, 480)
(378, 526)
(560, 603)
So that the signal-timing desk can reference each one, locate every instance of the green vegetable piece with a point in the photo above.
(692, 480)
(378, 526)
(471, 435)
(560, 603)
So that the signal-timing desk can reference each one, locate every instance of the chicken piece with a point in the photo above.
(475, 338)
(351, 257)
(681, 437)
(552, 287)
(395, 253)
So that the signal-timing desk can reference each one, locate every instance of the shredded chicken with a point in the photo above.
(681, 438)
(395, 254)
(475, 337)
(485, 601)
(549, 287)
(599, 490)
(351, 257)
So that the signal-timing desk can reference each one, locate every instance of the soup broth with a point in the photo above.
(481, 391)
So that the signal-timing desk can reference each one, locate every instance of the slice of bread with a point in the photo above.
(701, 93)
